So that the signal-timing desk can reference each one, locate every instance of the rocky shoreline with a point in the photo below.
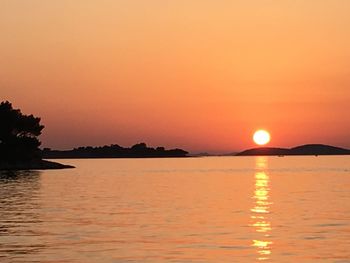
(33, 165)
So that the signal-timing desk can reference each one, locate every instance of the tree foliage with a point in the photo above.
(140, 150)
(18, 134)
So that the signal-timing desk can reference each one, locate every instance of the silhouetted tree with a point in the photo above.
(139, 150)
(139, 146)
(18, 134)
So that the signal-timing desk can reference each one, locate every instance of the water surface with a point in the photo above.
(213, 209)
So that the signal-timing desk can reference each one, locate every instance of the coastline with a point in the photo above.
(33, 165)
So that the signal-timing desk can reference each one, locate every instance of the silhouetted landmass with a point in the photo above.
(19, 143)
(318, 149)
(202, 154)
(32, 165)
(264, 151)
(139, 150)
(308, 149)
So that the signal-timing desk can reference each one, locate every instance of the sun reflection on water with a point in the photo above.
(260, 212)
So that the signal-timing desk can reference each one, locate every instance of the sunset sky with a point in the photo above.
(197, 74)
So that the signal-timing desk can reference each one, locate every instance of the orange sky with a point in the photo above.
(201, 75)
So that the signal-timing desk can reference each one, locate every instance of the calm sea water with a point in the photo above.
(214, 209)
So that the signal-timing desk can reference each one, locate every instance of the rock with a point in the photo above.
(33, 165)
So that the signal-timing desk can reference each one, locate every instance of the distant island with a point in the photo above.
(308, 149)
(140, 150)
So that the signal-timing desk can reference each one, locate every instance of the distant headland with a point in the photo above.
(308, 149)
(140, 150)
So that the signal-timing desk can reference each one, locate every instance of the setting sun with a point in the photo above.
(261, 137)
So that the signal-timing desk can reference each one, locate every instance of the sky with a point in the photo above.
(197, 74)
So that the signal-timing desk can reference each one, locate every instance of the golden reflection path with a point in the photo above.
(261, 210)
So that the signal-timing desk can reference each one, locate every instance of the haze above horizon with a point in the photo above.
(198, 75)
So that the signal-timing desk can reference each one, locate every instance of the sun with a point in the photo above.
(261, 137)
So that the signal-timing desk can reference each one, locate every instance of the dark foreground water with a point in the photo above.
(215, 209)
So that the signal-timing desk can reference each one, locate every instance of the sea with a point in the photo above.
(204, 209)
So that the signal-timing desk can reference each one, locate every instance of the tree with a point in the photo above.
(18, 134)
(139, 147)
